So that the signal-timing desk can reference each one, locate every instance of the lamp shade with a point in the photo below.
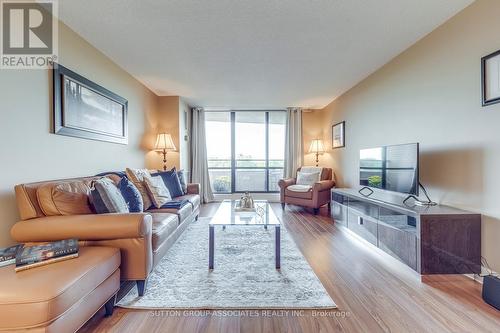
(164, 141)
(317, 146)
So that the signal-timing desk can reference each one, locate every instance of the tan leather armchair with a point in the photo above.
(317, 196)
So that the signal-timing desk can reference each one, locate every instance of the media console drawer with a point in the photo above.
(400, 244)
(362, 225)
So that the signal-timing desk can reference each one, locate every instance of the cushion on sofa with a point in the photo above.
(182, 213)
(194, 199)
(131, 195)
(164, 225)
(172, 182)
(64, 198)
(105, 197)
(157, 190)
(136, 176)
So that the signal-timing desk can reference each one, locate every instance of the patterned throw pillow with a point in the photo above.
(172, 182)
(304, 178)
(131, 195)
(182, 180)
(136, 176)
(105, 197)
(158, 191)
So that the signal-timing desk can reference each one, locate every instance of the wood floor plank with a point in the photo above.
(374, 293)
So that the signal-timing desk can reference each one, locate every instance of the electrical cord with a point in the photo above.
(429, 201)
(484, 263)
(417, 201)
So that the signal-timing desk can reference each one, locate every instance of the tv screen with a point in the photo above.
(391, 168)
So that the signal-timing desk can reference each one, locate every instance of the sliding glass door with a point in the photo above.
(246, 150)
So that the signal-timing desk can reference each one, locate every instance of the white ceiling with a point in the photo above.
(254, 54)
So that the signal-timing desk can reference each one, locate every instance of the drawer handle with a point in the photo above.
(360, 220)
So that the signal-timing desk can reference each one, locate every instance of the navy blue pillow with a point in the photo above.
(131, 195)
(118, 173)
(172, 182)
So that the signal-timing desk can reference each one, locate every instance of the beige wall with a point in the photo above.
(431, 94)
(30, 153)
(167, 121)
(311, 129)
(169, 118)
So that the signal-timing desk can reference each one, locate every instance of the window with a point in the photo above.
(246, 150)
(218, 136)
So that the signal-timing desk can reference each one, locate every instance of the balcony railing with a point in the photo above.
(248, 174)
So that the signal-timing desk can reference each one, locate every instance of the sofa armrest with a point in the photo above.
(84, 227)
(284, 183)
(323, 185)
(193, 188)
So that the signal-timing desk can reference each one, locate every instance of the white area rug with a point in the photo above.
(244, 276)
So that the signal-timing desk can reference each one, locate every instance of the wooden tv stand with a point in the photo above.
(431, 240)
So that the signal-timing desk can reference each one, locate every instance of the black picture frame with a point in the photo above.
(484, 76)
(68, 88)
(341, 127)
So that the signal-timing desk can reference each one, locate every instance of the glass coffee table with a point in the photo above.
(226, 215)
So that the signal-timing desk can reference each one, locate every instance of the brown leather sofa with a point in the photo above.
(317, 196)
(143, 238)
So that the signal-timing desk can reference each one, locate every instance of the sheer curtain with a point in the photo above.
(293, 142)
(199, 161)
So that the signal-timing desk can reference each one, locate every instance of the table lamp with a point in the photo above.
(163, 144)
(317, 148)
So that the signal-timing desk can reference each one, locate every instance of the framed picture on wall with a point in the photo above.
(338, 135)
(490, 78)
(86, 110)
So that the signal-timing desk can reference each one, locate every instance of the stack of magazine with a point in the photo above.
(26, 257)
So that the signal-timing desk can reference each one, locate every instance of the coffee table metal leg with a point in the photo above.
(277, 247)
(211, 235)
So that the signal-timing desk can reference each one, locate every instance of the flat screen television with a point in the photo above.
(390, 168)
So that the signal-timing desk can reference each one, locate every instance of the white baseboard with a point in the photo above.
(479, 278)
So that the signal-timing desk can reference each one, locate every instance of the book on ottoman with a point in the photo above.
(44, 254)
(8, 255)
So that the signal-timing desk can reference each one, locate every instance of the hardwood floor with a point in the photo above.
(374, 293)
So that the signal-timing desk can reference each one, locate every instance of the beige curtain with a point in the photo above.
(199, 161)
(293, 143)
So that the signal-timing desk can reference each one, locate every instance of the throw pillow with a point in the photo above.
(136, 176)
(182, 179)
(172, 182)
(105, 197)
(65, 198)
(131, 195)
(304, 178)
(158, 191)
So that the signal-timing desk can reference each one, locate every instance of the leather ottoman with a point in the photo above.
(62, 296)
